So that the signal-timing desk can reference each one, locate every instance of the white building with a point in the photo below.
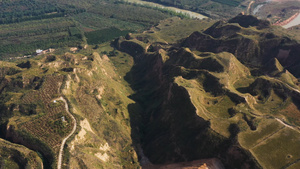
(63, 119)
(38, 51)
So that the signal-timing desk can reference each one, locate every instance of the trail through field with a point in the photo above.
(277, 131)
(287, 125)
(292, 163)
(61, 150)
(283, 122)
(267, 137)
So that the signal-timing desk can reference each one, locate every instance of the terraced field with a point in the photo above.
(26, 37)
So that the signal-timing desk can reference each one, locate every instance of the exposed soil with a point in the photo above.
(197, 164)
(104, 157)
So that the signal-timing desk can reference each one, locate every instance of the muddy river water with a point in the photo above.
(294, 22)
(152, 4)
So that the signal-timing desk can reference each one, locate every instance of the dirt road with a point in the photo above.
(249, 6)
(61, 150)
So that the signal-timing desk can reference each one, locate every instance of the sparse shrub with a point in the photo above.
(8, 71)
(27, 109)
(50, 58)
(25, 65)
(119, 102)
(234, 130)
(96, 47)
(232, 112)
(68, 69)
(100, 36)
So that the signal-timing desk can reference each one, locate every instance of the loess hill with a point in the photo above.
(229, 92)
(96, 94)
(221, 93)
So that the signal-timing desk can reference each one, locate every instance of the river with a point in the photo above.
(186, 12)
(294, 22)
(256, 9)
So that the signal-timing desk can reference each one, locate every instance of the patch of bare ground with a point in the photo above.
(86, 29)
(197, 164)
(80, 137)
(292, 113)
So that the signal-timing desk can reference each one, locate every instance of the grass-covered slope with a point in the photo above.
(211, 8)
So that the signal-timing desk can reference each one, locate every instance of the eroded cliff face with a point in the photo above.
(171, 129)
(202, 98)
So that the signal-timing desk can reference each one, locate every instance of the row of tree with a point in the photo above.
(18, 11)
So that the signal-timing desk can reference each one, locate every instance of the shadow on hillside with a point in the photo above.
(135, 124)
(296, 102)
(135, 113)
(165, 125)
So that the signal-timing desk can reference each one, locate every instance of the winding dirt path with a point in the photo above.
(61, 150)
(287, 125)
(267, 138)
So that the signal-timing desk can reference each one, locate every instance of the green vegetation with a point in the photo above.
(100, 36)
(229, 2)
(21, 10)
(187, 95)
(285, 151)
(242, 104)
(26, 37)
(101, 98)
(267, 128)
(93, 21)
(31, 107)
(26, 26)
(221, 107)
(212, 8)
(98, 95)
(17, 156)
(173, 29)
